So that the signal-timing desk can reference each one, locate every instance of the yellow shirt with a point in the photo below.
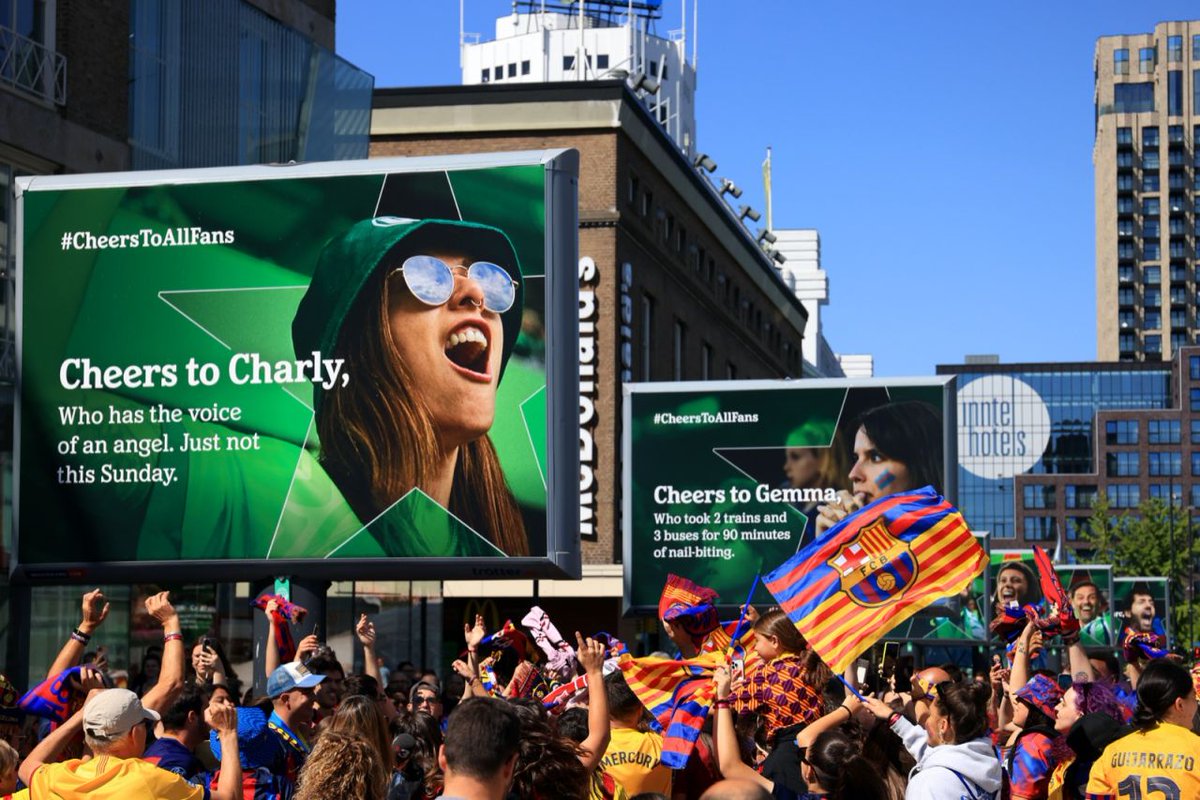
(110, 778)
(1161, 762)
(635, 760)
(1057, 778)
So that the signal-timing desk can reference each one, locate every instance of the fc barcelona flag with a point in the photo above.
(875, 569)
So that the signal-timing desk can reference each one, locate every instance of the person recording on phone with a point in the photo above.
(897, 448)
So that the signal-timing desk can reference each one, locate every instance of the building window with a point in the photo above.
(1150, 158)
(602, 61)
(1171, 493)
(1153, 320)
(633, 189)
(1079, 496)
(1146, 59)
(647, 203)
(1121, 431)
(1133, 98)
(1125, 250)
(1124, 205)
(647, 334)
(706, 357)
(1195, 464)
(1041, 529)
(1127, 342)
(525, 67)
(730, 370)
(512, 70)
(679, 345)
(1154, 342)
(1126, 296)
(1150, 136)
(1194, 367)
(568, 63)
(1038, 496)
(1195, 399)
(1125, 135)
(1121, 61)
(1151, 273)
(1175, 93)
(1163, 431)
(1195, 495)
(498, 73)
(1174, 49)
(486, 76)
(1150, 181)
(1178, 340)
(1127, 319)
(1195, 431)
(1164, 465)
(1152, 296)
(1123, 495)
(1150, 206)
(1074, 527)
(1125, 183)
(1151, 250)
(1122, 464)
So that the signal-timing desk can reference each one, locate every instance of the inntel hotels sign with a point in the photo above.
(1003, 426)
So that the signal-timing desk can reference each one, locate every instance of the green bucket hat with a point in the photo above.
(349, 260)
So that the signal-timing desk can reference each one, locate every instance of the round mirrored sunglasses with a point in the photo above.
(431, 281)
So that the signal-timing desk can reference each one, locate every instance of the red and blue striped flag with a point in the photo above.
(678, 694)
(875, 569)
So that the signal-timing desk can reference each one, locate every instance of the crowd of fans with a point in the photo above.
(534, 717)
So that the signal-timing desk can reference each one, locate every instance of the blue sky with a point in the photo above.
(942, 149)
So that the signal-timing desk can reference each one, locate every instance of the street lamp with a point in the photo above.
(705, 162)
(729, 187)
(747, 211)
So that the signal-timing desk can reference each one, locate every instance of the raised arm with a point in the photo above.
(221, 716)
(49, 749)
(591, 658)
(365, 631)
(725, 742)
(174, 661)
(95, 611)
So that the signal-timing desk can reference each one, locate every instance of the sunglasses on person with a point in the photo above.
(431, 281)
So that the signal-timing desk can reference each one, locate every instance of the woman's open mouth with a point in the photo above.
(467, 349)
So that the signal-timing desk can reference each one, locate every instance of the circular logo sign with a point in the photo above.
(1003, 426)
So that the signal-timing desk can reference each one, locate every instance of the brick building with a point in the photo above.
(682, 291)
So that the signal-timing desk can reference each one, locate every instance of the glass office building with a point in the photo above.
(1037, 419)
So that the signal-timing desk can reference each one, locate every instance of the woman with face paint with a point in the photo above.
(897, 448)
(425, 314)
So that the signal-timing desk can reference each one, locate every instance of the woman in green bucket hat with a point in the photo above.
(425, 313)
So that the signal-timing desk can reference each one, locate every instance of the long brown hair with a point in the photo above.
(360, 716)
(776, 623)
(378, 439)
(342, 767)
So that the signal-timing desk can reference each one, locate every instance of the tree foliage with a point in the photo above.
(1151, 540)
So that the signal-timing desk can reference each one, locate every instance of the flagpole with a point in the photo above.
(767, 187)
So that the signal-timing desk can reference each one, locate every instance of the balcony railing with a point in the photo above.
(32, 67)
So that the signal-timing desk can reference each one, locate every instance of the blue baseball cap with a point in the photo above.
(291, 676)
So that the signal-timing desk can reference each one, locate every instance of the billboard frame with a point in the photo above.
(563, 555)
(945, 383)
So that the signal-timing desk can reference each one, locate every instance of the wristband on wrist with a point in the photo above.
(722, 703)
(894, 718)
(80, 636)
(849, 713)
(173, 637)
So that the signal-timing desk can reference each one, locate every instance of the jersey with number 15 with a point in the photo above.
(1152, 765)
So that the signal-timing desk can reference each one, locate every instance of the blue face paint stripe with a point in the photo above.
(885, 479)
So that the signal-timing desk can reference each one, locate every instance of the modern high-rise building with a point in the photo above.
(1147, 190)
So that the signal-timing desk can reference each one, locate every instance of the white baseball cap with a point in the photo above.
(114, 712)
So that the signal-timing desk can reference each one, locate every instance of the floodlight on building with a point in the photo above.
(704, 162)
(778, 257)
(729, 187)
(765, 237)
(641, 82)
(747, 211)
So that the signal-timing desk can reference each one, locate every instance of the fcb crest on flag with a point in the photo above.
(875, 567)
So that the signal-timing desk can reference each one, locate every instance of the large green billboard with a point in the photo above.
(724, 481)
(361, 368)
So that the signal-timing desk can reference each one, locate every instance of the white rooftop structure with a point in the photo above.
(547, 42)
(802, 271)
